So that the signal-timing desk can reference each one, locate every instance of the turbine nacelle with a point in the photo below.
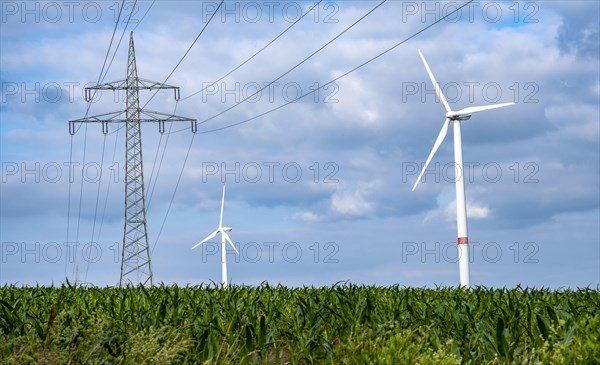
(452, 115)
(226, 229)
(465, 113)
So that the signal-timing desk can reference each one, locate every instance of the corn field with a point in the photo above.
(342, 324)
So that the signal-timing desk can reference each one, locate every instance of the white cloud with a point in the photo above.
(575, 120)
(447, 212)
(309, 216)
(353, 201)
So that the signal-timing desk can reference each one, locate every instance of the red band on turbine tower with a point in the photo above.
(463, 240)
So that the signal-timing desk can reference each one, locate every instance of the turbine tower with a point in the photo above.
(224, 236)
(461, 202)
(136, 265)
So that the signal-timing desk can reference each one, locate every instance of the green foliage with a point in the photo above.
(342, 324)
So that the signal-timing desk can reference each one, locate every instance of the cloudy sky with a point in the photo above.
(319, 190)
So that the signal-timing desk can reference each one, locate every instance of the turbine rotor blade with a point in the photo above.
(210, 237)
(229, 240)
(436, 145)
(222, 204)
(477, 109)
(438, 89)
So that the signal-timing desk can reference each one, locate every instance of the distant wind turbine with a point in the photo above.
(224, 236)
(461, 203)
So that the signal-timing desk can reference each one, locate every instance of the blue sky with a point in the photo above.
(318, 191)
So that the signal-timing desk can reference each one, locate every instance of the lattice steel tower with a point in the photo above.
(136, 265)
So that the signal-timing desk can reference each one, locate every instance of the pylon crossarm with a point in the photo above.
(113, 85)
(101, 118)
(142, 84)
(152, 85)
(163, 117)
(149, 117)
(106, 117)
(152, 116)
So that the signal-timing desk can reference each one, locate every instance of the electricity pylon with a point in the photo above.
(136, 265)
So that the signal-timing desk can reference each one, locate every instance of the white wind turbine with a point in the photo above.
(224, 236)
(461, 205)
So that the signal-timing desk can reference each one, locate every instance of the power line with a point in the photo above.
(120, 40)
(100, 77)
(152, 182)
(170, 126)
(89, 104)
(143, 16)
(296, 66)
(80, 203)
(69, 199)
(103, 72)
(188, 50)
(337, 78)
(136, 249)
(132, 70)
(256, 53)
(152, 179)
(283, 105)
(108, 189)
(87, 266)
(174, 193)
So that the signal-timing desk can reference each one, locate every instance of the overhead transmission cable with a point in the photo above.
(104, 141)
(144, 16)
(337, 78)
(108, 189)
(89, 104)
(153, 179)
(296, 66)
(153, 183)
(192, 140)
(119, 44)
(102, 72)
(186, 52)
(256, 53)
(174, 193)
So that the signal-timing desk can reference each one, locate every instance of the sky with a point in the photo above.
(318, 190)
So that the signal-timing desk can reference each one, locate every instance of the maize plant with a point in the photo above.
(341, 324)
